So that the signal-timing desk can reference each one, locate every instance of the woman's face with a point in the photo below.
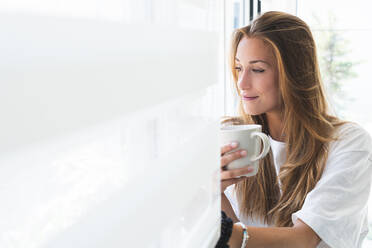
(257, 77)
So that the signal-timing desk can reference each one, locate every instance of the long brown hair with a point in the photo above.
(308, 127)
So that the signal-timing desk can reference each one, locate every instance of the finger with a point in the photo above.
(229, 147)
(226, 159)
(232, 174)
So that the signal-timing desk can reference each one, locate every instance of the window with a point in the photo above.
(343, 33)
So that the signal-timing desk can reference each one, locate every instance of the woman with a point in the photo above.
(312, 188)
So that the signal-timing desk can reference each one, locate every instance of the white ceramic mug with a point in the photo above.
(249, 137)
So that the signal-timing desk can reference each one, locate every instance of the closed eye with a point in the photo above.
(238, 68)
(258, 70)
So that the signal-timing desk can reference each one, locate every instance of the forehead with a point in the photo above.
(254, 49)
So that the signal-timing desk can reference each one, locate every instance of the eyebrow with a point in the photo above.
(254, 61)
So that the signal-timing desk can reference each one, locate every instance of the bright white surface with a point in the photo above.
(109, 127)
(288, 6)
(63, 74)
(100, 186)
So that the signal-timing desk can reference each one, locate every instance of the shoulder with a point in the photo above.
(351, 152)
(351, 137)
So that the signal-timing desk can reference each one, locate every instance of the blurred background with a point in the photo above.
(110, 111)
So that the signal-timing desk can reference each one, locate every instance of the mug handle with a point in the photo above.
(265, 142)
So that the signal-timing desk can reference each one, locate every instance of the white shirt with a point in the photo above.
(336, 209)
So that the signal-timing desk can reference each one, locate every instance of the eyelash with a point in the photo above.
(254, 70)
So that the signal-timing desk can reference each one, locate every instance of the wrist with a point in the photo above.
(239, 236)
(235, 240)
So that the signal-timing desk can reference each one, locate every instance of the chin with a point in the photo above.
(252, 112)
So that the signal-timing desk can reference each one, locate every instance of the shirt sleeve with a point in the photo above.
(231, 196)
(336, 209)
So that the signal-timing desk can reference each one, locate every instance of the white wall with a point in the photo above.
(109, 120)
(288, 6)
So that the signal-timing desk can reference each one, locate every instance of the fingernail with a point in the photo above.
(243, 153)
(234, 144)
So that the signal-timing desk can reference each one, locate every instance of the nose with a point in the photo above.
(244, 81)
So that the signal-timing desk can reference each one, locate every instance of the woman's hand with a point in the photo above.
(229, 177)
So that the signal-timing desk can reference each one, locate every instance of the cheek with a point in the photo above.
(268, 85)
(274, 90)
(270, 89)
(275, 95)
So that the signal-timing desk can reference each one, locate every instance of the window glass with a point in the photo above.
(343, 34)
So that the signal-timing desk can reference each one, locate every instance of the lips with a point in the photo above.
(249, 98)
